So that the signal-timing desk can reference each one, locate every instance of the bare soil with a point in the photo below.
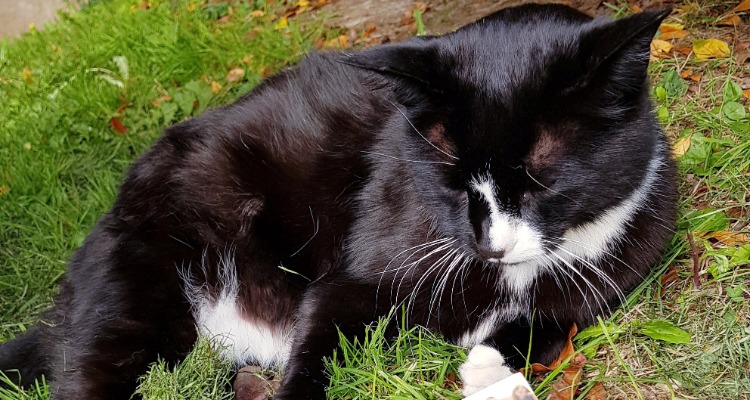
(392, 20)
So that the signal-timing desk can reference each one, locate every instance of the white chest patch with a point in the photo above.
(222, 320)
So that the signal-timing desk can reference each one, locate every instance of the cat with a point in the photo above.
(496, 185)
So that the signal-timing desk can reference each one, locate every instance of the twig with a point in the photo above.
(696, 261)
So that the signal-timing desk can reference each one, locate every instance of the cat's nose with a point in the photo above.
(491, 255)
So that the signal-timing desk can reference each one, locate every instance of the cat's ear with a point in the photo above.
(413, 61)
(620, 50)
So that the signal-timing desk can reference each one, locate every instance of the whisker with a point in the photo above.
(407, 160)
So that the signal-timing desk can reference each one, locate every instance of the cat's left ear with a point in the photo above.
(620, 50)
(413, 61)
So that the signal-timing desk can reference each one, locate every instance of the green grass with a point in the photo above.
(61, 161)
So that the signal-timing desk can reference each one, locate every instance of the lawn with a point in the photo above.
(81, 99)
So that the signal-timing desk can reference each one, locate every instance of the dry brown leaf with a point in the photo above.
(743, 6)
(746, 93)
(684, 50)
(682, 145)
(730, 20)
(117, 125)
(215, 87)
(235, 74)
(673, 35)
(597, 392)
(257, 13)
(567, 351)
(710, 48)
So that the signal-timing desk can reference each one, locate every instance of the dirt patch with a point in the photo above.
(392, 20)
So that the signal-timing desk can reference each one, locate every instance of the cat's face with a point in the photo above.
(536, 122)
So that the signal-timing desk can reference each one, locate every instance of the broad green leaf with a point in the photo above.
(665, 331)
(732, 91)
(733, 111)
(673, 84)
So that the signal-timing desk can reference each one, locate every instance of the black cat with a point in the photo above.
(505, 178)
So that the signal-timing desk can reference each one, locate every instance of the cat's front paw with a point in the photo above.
(483, 367)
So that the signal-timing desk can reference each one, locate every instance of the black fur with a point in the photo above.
(340, 168)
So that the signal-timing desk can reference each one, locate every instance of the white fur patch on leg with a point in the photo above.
(483, 367)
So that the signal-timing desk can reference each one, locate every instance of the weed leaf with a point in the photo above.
(665, 331)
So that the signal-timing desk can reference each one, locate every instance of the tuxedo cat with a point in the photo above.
(496, 184)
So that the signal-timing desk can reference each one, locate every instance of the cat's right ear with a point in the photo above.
(413, 61)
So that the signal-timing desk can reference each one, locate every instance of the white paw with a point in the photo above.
(483, 367)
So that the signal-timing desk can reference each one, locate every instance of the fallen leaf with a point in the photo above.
(743, 6)
(682, 145)
(27, 75)
(671, 27)
(730, 20)
(117, 125)
(635, 8)
(162, 99)
(746, 93)
(257, 13)
(567, 351)
(660, 48)
(4, 189)
(705, 49)
(215, 87)
(235, 74)
(673, 35)
(597, 392)
(27, 146)
(265, 72)
(283, 23)
(684, 50)
(567, 384)
(729, 238)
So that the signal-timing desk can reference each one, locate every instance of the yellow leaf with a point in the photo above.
(4, 189)
(659, 47)
(746, 93)
(215, 87)
(191, 6)
(682, 145)
(729, 238)
(705, 49)
(27, 146)
(744, 6)
(257, 13)
(303, 3)
(27, 75)
(671, 27)
(283, 23)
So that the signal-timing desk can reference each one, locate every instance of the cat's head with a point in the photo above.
(531, 128)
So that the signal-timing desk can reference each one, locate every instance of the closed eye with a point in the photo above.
(542, 185)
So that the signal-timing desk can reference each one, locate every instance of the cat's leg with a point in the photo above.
(121, 307)
(327, 309)
(506, 350)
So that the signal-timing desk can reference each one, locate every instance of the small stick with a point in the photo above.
(696, 261)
